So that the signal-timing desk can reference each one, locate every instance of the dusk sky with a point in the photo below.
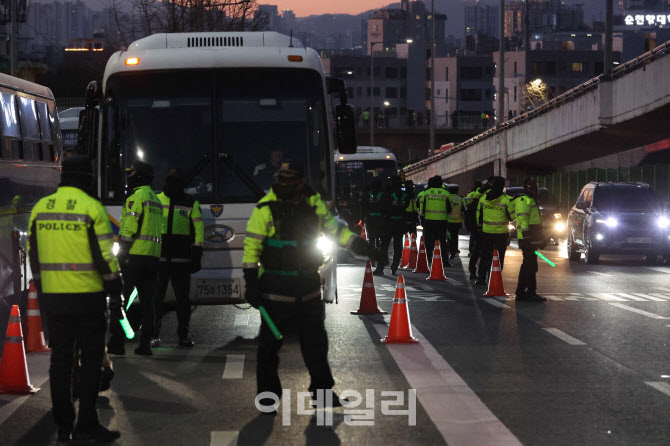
(308, 7)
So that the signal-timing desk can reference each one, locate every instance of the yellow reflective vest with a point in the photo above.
(456, 214)
(70, 243)
(528, 220)
(142, 222)
(435, 204)
(493, 216)
(185, 230)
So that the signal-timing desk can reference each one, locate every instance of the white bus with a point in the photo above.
(354, 173)
(30, 151)
(226, 108)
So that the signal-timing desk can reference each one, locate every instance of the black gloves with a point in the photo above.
(252, 293)
(124, 252)
(362, 248)
(196, 259)
(114, 288)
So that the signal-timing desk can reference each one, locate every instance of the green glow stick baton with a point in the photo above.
(128, 330)
(132, 298)
(268, 320)
(552, 264)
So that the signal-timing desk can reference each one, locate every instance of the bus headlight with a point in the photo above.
(560, 226)
(115, 248)
(326, 247)
(663, 222)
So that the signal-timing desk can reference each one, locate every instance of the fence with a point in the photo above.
(423, 122)
(566, 186)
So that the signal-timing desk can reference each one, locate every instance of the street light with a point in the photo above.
(387, 103)
(372, 84)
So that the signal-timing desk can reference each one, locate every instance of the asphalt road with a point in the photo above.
(590, 366)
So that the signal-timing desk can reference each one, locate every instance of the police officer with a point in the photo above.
(531, 237)
(181, 252)
(70, 250)
(434, 208)
(397, 202)
(455, 219)
(412, 211)
(471, 225)
(493, 217)
(373, 209)
(282, 238)
(139, 250)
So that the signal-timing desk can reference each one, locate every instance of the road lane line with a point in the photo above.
(632, 297)
(564, 336)
(455, 282)
(606, 297)
(660, 269)
(635, 310)
(660, 386)
(234, 367)
(242, 319)
(224, 438)
(553, 298)
(650, 297)
(494, 302)
(662, 296)
(599, 273)
(453, 407)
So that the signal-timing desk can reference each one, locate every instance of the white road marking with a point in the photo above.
(660, 269)
(662, 296)
(635, 310)
(649, 297)
(234, 367)
(660, 386)
(224, 438)
(631, 297)
(454, 282)
(599, 273)
(662, 289)
(564, 336)
(607, 297)
(455, 410)
(242, 319)
(494, 302)
(553, 298)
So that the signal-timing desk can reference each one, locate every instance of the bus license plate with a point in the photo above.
(218, 287)
(639, 240)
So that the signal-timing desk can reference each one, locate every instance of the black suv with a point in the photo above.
(617, 218)
(552, 222)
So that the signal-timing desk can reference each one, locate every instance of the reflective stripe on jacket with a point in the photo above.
(456, 214)
(528, 220)
(70, 243)
(435, 204)
(141, 222)
(493, 216)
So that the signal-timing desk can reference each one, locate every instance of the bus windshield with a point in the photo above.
(256, 118)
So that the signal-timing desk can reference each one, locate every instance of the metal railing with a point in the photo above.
(632, 65)
(441, 122)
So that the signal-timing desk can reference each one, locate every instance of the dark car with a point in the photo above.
(552, 222)
(617, 218)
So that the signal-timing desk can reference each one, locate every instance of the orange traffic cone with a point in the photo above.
(422, 261)
(405, 252)
(364, 235)
(436, 270)
(13, 368)
(413, 253)
(496, 288)
(368, 297)
(35, 342)
(400, 330)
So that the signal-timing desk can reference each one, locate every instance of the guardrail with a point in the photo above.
(580, 90)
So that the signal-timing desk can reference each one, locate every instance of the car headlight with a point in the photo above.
(560, 226)
(599, 236)
(115, 248)
(557, 216)
(611, 222)
(326, 247)
(663, 222)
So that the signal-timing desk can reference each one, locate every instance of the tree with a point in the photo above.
(535, 93)
(134, 19)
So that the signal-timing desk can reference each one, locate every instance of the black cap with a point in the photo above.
(77, 165)
(290, 171)
(141, 169)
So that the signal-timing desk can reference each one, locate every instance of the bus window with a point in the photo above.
(11, 131)
(46, 133)
(30, 128)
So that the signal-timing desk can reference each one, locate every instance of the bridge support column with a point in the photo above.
(500, 168)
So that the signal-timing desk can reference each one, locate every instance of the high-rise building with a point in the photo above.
(514, 19)
(481, 20)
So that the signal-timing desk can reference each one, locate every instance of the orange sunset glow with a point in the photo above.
(308, 7)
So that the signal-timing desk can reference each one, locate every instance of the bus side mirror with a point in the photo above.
(87, 135)
(92, 96)
(345, 129)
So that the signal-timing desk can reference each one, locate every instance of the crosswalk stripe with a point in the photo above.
(494, 302)
(638, 311)
(553, 298)
(234, 368)
(631, 297)
(660, 269)
(606, 296)
(599, 273)
(224, 438)
(455, 282)
(662, 296)
(242, 319)
(660, 386)
(647, 296)
(564, 336)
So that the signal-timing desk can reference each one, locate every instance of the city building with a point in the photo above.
(481, 20)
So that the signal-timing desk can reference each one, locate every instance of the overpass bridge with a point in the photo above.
(598, 118)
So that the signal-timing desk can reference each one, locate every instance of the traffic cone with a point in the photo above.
(400, 330)
(13, 368)
(437, 270)
(422, 261)
(35, 342)
(496, 288)
(413, 253)
(405, 252)
(368, 297)
(364, 235)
